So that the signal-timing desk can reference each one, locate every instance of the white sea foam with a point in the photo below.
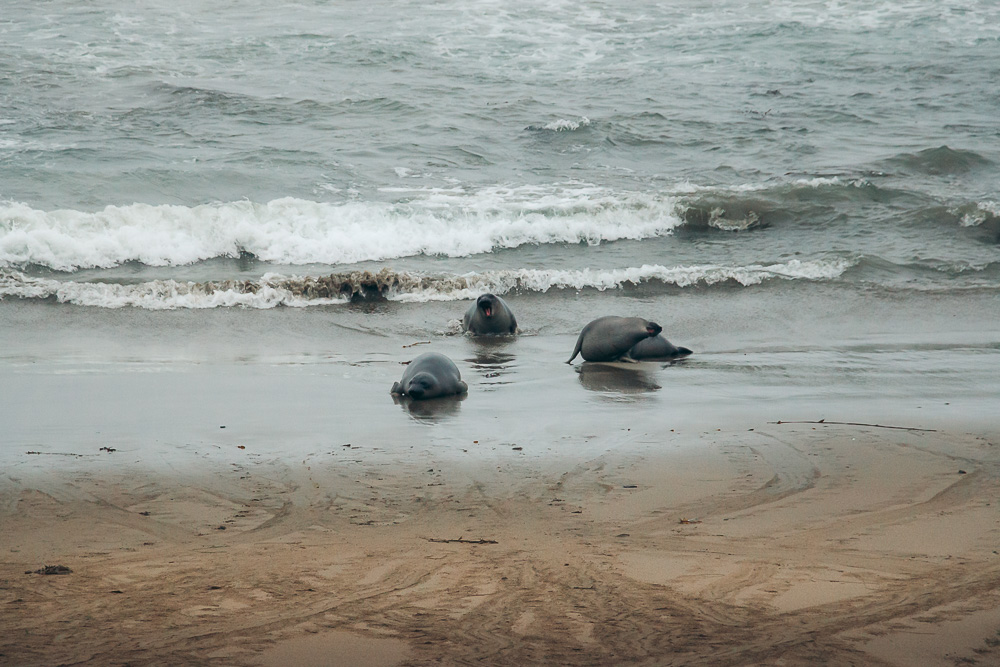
(155, 294)
(276, 290)
(295, 231)
(818, 181)
(563, 125)
(542, 280)
(984, 211)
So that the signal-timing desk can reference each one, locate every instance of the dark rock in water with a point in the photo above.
(52, 569)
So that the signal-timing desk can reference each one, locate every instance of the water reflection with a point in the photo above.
(628, 380)
(432, 410)
(491, 360)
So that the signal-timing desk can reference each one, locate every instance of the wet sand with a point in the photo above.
(759, 543)
(241, 489)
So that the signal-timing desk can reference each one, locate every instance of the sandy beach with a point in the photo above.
(768, 544)
(227, 228)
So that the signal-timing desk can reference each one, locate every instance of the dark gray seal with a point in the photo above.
(657, 348)
(489, 315)
(610, 338)
(430, 375)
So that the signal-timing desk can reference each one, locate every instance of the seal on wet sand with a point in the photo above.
(431, 375)
(610, 338)
(657, 348)
(489, 315)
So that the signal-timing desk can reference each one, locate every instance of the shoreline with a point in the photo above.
(795, 542)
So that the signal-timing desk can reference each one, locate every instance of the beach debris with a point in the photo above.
(145, 513)
(241, 446)
(622, 535)
(51, 569)
(419, 342)
(107, 449)
(823, 421)
(630, 486)
(689, 521)
(517, 449)
(962, 472)
(462, 540)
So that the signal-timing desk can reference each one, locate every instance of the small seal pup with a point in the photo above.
(610, 338)
(430, 375)
(489, 315)
(657, 348)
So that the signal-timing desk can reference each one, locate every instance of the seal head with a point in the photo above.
(657, 348)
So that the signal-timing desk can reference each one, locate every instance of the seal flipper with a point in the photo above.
(683, 352)
(579, 345)
(396, 388)
(463, 388)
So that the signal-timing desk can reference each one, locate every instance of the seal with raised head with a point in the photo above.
(610, 338)
(431, 375)
(657, 348)
(489, 315)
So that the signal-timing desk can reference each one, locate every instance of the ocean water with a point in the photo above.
(805, 193)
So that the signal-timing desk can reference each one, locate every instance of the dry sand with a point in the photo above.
(782, 545)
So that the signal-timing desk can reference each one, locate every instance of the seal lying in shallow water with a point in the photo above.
(657, 348)
(609, 338)
(430, 375)
(489, 315)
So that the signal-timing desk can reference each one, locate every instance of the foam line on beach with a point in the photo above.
(273, 289)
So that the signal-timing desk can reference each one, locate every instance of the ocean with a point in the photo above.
(255, 213)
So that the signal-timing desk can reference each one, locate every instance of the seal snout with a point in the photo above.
(652, 328)
(485, 303)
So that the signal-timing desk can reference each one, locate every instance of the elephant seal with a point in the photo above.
(609, 338)
(430, 375)
(657, 348)
(489, 315)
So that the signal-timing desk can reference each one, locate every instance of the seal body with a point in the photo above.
(657, 348)
(431, 375)
(610, 338)
(489, 315)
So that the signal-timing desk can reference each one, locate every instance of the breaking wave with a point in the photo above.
(451, 222)
(273, 290)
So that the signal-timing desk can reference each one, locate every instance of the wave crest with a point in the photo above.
(273, 290)
(294, 231)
